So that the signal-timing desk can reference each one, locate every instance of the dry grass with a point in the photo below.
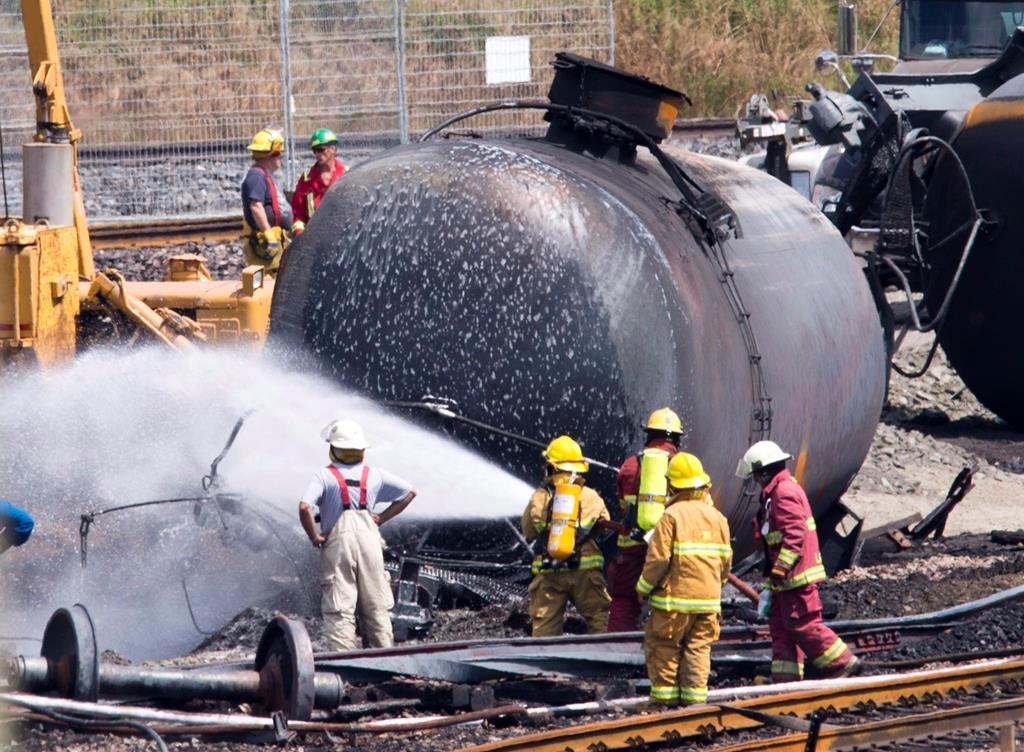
(175, 70)
(721, 51)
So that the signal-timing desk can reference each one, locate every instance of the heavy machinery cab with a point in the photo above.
(934, 29)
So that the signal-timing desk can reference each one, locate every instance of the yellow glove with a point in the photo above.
(268, 244)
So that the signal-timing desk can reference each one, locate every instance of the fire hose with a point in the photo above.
(446, 409)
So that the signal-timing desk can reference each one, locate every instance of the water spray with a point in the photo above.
(210, 481)
(446, 408)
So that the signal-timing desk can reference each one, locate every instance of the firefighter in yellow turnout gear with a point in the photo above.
(688, 560)
(568, 565)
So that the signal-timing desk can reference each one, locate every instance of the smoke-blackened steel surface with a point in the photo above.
(547, 292)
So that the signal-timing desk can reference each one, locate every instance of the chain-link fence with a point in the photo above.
(168, 92)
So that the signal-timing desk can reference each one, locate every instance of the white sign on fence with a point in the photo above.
(507, 60)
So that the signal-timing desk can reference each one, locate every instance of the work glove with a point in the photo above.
(268, 246)
(297, 228)
(764, 603)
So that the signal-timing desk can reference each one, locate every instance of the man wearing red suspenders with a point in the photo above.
(352, 574)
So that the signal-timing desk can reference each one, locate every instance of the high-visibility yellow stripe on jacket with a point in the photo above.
(688, 559)
(536, 519)
(628, 505)
(790, 534)
(787, 559)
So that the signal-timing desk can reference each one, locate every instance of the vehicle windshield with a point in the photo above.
(932, 29)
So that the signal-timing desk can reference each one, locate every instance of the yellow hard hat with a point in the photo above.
(268, 142)
(664, 419)
(565, 454)
(685, 471)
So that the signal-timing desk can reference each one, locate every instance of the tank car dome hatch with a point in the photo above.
(548, 290)
(585, 83)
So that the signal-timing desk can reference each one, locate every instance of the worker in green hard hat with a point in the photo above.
(315, 181)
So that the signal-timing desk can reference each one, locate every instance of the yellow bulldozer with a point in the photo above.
(47, 272)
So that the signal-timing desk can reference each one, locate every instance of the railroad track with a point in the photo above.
(164, 232)
(914, 699)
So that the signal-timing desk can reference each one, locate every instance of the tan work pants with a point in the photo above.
(678, 649)
(352, 577)
(550, 592)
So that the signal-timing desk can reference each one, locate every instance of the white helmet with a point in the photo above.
(345, 434)
(761, 454)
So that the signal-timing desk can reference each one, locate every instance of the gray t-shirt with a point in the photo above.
(323, 490)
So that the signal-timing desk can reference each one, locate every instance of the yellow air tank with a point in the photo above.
(650, 498)
(565, 518)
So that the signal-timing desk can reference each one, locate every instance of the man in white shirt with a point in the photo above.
(352, 574)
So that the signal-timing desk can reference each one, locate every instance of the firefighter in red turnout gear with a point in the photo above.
(642, 489)
(786, 526)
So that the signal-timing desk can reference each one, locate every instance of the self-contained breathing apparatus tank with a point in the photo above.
(653, 491)
(565, 519)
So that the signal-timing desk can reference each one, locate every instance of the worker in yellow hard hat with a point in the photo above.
(688, 561)
(266, 215)
(568, 565)
(642, 491)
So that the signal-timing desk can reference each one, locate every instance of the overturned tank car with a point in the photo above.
(574, 282)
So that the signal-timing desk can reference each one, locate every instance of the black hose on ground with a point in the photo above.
(87, 724)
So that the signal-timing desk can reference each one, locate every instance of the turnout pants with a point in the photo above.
(797, 631)
(353, 578)
(678, 651)
(623, 574)
(550, 592)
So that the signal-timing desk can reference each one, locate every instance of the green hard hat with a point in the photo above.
(322, 137)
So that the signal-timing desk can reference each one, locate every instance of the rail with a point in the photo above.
(163, 233)
(712, 719)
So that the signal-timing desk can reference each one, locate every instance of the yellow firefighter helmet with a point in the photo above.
(686, 471)
(565, 454)
(664, 419)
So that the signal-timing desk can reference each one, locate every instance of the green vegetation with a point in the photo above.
(721, 51)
